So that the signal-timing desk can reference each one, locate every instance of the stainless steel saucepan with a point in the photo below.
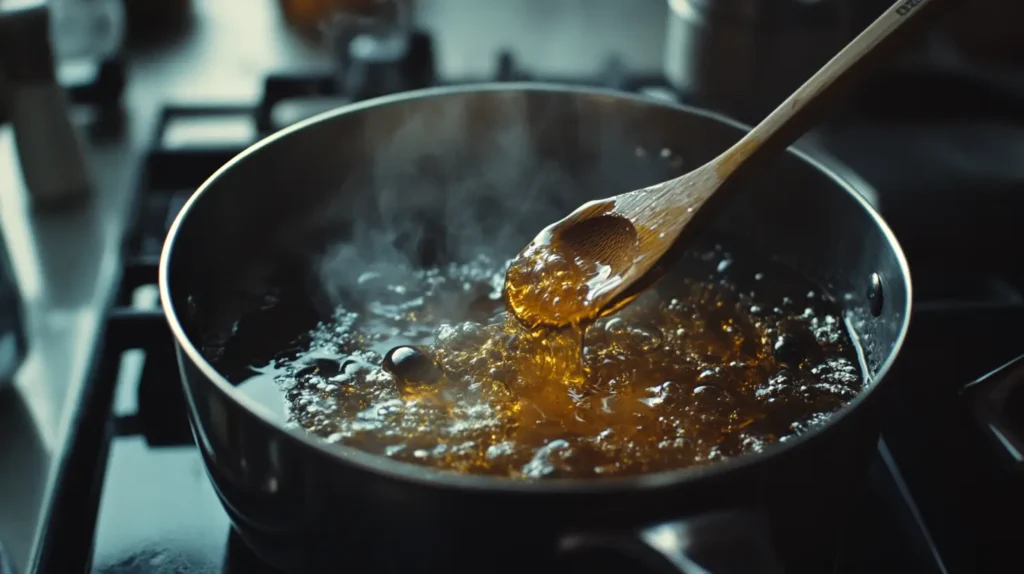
(484, 167)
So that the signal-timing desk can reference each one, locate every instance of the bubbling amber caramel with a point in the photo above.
(435, 373)
(550, 283)
(545, 285)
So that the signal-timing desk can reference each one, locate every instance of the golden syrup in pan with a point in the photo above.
(720, 359)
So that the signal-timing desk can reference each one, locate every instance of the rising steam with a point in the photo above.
(453, 177)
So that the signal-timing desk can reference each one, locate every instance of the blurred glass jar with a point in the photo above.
(86, 29)
(310, 14)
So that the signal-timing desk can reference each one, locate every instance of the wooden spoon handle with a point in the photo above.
(792, 118)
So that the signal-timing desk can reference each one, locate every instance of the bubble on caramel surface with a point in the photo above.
(720, 360)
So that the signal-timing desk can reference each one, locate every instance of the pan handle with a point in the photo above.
(996, 403)
(721, 542)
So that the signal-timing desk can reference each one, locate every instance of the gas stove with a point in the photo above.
(132, 496)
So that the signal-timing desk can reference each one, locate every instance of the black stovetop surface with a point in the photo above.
(132, 495)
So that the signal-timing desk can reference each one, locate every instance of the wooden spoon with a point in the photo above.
(608, 251)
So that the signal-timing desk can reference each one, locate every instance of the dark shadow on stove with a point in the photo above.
(162, 418)
(242, 560)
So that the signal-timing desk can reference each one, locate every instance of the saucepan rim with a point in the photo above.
(408, 472)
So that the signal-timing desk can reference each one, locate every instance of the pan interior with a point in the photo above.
(280, 238)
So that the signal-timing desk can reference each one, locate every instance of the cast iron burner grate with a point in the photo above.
(131, 494)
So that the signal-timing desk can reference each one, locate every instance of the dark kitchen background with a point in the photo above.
(113, 111)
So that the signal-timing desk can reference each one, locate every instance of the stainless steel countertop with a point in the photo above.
(66, 262)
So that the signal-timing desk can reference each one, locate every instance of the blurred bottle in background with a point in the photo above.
(86, 29)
